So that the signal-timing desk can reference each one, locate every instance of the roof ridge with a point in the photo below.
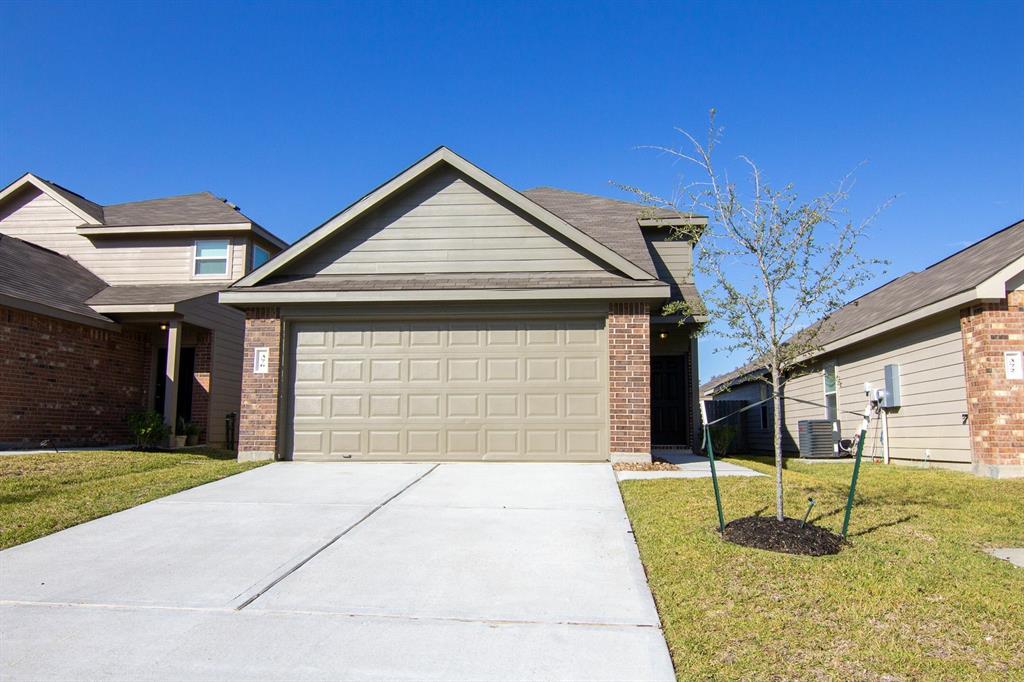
(172, 196)
(977, 243)
(596, 196)
(70, 191)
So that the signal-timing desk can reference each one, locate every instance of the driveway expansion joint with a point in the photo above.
(330, 542)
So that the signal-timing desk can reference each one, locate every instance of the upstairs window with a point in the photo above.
(259, 256)
(211, 258)
(831, 400)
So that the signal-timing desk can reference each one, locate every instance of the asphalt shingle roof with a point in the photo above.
(202, 208)
(37, 275)
(148, 294)
(610, 221)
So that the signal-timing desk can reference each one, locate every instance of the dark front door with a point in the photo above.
(186, 368)
(669, 391)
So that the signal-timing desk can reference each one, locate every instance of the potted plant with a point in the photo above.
(192, 432)
(149, 429)
(180, 437)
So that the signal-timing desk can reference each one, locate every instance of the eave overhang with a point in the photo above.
(254, 297)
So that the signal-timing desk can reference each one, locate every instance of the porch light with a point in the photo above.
(163, 327)
(663, 335)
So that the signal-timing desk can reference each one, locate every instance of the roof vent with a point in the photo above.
(231, 205)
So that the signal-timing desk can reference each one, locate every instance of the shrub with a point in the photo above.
(148, 428)
(722, 437)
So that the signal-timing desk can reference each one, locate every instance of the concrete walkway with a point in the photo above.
(343, 571)
(689, 466)
(1015, 555)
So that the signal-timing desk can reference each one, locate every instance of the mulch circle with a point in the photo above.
(644, 466)
(766, 532)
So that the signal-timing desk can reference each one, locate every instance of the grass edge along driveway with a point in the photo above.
(912, 597)
(44, 493)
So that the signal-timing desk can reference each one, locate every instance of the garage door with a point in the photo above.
(449, 390)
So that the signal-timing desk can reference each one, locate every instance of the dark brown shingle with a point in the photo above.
(37, 275)
(610, 221)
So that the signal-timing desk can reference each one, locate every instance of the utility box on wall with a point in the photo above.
(892, 386)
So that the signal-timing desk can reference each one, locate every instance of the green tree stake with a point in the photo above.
(714, 476)
(856, 467)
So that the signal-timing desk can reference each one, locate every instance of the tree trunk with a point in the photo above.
(777, 440)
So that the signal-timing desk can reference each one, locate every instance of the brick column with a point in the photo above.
(995, 404)
(629, 381)
(201, 386)
(257, 425)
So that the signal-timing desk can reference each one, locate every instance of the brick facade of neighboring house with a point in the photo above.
(257, 426)
(995, 403)
(201, 377)
(629, 371)
(68, 383)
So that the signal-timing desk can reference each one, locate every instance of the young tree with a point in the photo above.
(778, 266)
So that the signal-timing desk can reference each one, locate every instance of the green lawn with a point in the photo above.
(912, 597)
(41, 494)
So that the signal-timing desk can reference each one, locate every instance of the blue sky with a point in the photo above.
(294, 110)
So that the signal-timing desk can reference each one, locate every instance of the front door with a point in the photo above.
(669, 409)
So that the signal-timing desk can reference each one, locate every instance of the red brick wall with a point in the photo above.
(995, 404)
(629, 367)
(68, 383)
(201, 384)
(257, 432)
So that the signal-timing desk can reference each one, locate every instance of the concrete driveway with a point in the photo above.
(343, 571)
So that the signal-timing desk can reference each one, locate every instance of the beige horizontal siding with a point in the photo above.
(444, 224)
(673, 259)
(155, 259)
(929, 425)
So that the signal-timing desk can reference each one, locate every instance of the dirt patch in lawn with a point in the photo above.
(789, 536)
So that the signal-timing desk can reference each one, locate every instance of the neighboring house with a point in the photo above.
(94, 299)
(446, 316)
(956, 333)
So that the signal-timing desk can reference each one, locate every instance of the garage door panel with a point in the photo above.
(346, 371)
(463, 369)
(424, 406)
(582, 369)
(502, 405)
(343, 406)
(466, 389)
(427, 370)
(386, 370)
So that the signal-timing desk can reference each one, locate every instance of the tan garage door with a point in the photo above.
(449, 390)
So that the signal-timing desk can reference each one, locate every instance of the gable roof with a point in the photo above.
(979, 271)
(444, 156)
(199, 209)
(44, 279)
(610, 221)
(91, 213)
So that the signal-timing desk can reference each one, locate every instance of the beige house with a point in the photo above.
(109, 310)
(446, 316)
(952, 335)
